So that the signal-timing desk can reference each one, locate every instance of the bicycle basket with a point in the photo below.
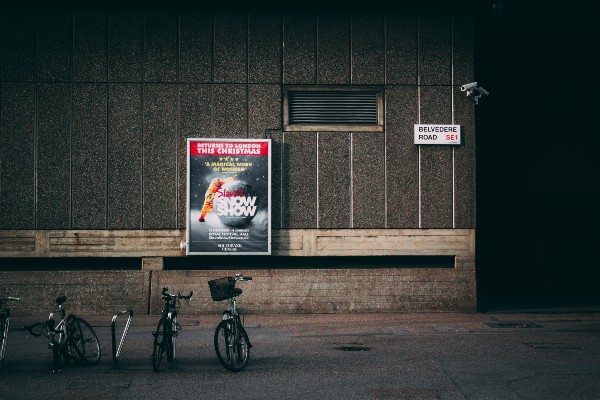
(221, 288)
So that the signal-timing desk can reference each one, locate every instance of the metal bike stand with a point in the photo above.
(117, 351)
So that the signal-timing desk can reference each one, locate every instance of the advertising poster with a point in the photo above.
(229, 196)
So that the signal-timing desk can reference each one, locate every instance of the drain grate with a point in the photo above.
(512, 324)
(353, 348)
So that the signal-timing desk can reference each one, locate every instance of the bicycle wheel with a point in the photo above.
(171, 343)
(160, 340)
(232, 345)
(74, 332)
(84, 340)
(3, 335)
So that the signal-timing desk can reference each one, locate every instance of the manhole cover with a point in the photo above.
(353, 348)
(513, 324)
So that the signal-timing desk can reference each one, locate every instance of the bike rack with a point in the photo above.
(117, 351)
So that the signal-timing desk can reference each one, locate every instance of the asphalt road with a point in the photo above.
(357, 356)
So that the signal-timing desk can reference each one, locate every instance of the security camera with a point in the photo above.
(474, 92)
(468, 86)
(482, 91)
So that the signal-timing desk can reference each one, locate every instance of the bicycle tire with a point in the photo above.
(70, 350)
(158, 349)
(232, 348)
(85, 341)
(3, 336)
(171, 343)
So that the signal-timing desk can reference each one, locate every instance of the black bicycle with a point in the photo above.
(72, 338)
(4, 323)
(231, 340)
(166, 331)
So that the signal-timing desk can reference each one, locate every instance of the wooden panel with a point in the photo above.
(285, 242)
(115, 243)
(17, 243)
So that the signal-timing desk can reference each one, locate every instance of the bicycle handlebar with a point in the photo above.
(239, 277)
(39, 327)
(4, 300)
(166, 295)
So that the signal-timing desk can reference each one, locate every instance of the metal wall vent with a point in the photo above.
(333, 108)
(322, 109)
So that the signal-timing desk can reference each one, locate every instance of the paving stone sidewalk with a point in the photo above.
(353, 356)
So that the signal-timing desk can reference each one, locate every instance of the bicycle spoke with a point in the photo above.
(85, 342)
(232, 345)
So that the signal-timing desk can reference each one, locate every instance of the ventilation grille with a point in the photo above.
(332, 108)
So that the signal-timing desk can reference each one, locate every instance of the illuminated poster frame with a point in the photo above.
(228, 196)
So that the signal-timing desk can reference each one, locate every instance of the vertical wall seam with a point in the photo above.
(106, 133)
(350, 49)
(317, 177)
(281, 175)
(317, 50)
(177, 118)
(247, 75)
(36, 122)
(282, 146)
(419, 114)
(143, 83)
(351, 133)
(70, 224)
(149, 298)
(453, 121)
(282, 59)
(351, 180)
(317, 135)
(1, 97)
(385, 82)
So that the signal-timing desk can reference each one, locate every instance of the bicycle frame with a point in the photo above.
(167, 329)
(71, 338)
(57, 345)
(170, 317)
(232, 312)
(231, 341)
(60, 328)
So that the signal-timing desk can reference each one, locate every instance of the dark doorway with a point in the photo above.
(538, 203)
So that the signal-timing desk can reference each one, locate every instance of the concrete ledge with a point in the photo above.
(285, 242)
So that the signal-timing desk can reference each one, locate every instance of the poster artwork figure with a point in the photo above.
(209, 196)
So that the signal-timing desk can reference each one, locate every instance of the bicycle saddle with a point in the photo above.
(60, 300)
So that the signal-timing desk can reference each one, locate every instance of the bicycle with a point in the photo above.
(231, 339)
(4, 323)
(72, 338)
(166, 331)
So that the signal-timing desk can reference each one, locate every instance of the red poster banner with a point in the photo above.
(227, 148)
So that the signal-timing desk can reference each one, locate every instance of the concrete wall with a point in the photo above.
(271, 291)
(96, 106)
